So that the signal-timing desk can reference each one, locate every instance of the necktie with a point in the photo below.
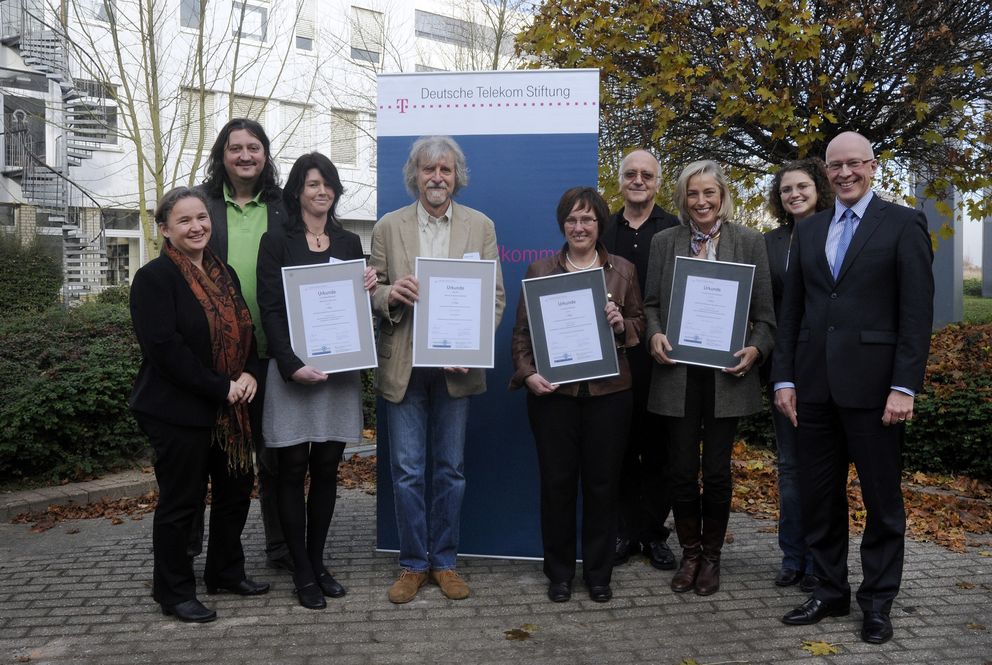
(846, 233)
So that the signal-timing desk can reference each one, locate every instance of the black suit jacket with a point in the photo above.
(177, 381)
(217, 207)
(288, 247)
(777, 242)
(853, 339)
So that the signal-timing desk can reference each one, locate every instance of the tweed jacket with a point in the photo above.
(735, 396)
(395, 246)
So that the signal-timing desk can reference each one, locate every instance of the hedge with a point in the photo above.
(30, 277)
(951, 431)
(65, 376)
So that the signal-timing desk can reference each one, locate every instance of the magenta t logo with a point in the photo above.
(402, 104)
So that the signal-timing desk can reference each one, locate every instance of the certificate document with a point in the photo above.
(708, 313)
(329, 315)
(454, 319)
(570, 328)
(330, 318)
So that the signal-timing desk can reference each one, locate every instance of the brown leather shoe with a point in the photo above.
(406, 587)
(708, 579)
(451, 583)
(685, 577)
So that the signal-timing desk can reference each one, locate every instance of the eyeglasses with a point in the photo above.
(646, 176)
(585, 222)
(851, 164)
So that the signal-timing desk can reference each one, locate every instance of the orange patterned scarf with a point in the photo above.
(230, 341)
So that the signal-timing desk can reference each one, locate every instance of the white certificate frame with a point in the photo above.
(296, 277)
(740, 273)
(536, 287)
(485, 355)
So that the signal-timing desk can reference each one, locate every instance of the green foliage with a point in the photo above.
(973, 287)
(951, 429)
(977, 309)
(30, 277)
(65, 377)
(115, 295)
(368, 398)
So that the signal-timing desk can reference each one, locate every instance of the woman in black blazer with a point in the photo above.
(798, 190)
(190, 398)
(308, 416)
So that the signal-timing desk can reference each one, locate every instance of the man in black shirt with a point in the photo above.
(644, 493)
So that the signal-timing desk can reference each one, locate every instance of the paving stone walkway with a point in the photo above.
(80, 593)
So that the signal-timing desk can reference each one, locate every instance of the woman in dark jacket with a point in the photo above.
(798, 190)
(702, 404)
(308, 416)
(190, 398)
(581, 428)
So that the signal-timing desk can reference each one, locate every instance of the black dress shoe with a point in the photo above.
(601, 594)
(660, 555)
(876, 628)
(560, 592)
(330, 586)
(190, 611)
(787, 577)
(284, 562)
(311, 597)
(246, 587)
(809, 582)
(623, 549)
(813, 610)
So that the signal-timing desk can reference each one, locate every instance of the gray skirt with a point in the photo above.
(295, 413)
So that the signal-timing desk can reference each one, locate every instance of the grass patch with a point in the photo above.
(977, 309)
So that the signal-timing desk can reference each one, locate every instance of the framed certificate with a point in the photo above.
(571, 338)
(708, 311)
(454, 319)
(330, 315)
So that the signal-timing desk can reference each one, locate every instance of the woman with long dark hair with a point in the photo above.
(308, 416)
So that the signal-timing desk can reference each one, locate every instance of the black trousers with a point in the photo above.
(829, 437)
(644, 493)
(267, 466)
(579, 438)
(717, 436)
(185, 459)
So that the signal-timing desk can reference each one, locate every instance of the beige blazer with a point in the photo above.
(395, 245)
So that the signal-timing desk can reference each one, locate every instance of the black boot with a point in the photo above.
(687, 527)
(715, 517)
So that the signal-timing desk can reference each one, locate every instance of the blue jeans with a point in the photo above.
(427, 417)
(791, 537)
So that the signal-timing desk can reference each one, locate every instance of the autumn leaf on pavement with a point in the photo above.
(976, 626)
(688, 661)
(819, 648)
(965, 585)
(522, 633)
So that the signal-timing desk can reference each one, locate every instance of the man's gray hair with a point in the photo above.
(623, 164)
(429, 149)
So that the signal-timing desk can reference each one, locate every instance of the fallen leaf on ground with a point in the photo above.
(976, 626)
(819, 648)
(965, 585)
(516, 634)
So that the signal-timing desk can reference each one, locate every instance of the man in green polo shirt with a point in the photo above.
(244, 201)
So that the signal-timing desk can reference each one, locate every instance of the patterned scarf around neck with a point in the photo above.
(230, 341)
(697, 237)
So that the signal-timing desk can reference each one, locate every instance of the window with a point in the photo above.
(98, 10)
(191, 117)
(297, 124)
(425, 68)
(118, 261)
(189, 13)
(93, 122)
(95, 89)
(248, 107)
(305, 25)
(344, 137)
(367, 34)
(446, 29)
(250, 21)
(6, 215)
(122, 220)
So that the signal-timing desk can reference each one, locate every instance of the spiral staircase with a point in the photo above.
(45, 180)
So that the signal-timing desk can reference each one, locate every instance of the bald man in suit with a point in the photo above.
(849, 358)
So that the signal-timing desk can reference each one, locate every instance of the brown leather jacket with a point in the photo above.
(621, 283)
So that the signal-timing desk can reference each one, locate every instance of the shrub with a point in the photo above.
(951, 429)
(115, 295)
(30, 277)
(973, 287)
(368, 398)
(65, 377)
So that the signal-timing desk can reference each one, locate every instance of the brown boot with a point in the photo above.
(715, 517)
(687, 528)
